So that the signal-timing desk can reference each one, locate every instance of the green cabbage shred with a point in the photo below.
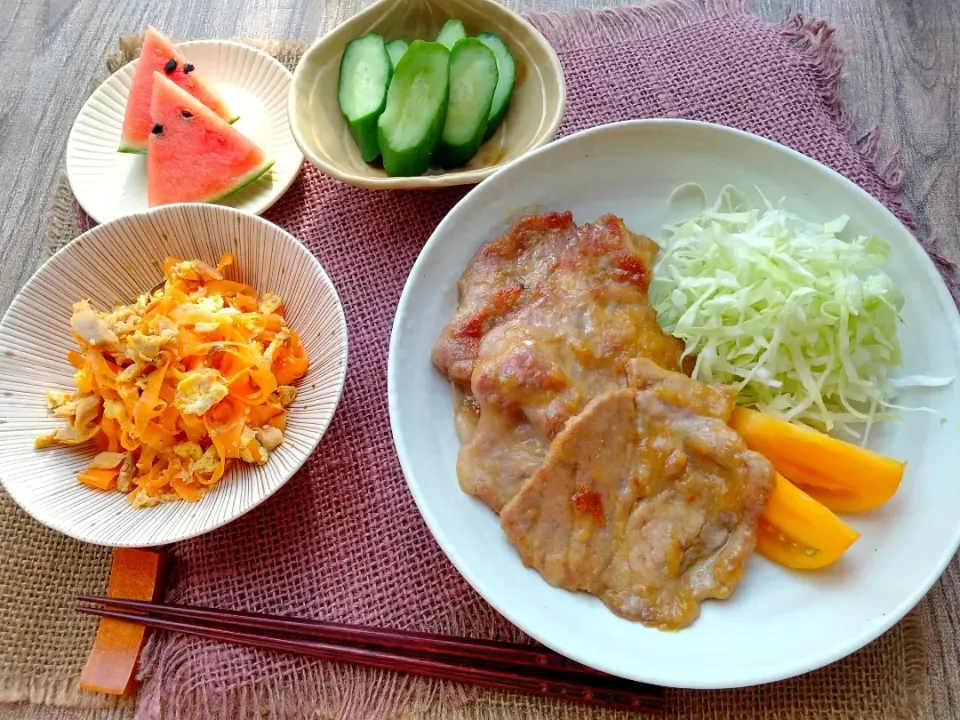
(802, 321)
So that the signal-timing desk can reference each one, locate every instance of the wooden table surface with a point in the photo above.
(902, 72)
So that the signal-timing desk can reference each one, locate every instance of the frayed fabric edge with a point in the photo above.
(329, 690)
(64, 693)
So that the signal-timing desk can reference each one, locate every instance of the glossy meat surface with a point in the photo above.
(549, 315)
(647, 499)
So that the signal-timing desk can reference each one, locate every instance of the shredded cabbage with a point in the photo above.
(805, 323)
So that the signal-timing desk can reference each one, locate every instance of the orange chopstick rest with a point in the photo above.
(112, 663)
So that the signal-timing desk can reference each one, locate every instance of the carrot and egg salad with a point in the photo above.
(179, 384)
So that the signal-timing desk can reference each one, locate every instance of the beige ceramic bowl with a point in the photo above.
(535, 110)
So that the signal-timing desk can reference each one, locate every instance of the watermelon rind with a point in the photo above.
(250, 177)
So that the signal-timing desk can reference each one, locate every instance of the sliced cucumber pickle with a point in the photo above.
(473, 83)
(506, 66)
(451, 33)
(396, 49)
(365, 73)
(410, 126)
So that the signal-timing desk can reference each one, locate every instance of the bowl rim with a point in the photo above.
(556, 640)
(323, 278)
(422, 182)
(277, 192)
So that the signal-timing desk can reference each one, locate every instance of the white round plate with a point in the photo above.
(778, 623)
(119, 261)
(110, 184)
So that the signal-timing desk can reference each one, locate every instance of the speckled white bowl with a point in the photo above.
(119, 261)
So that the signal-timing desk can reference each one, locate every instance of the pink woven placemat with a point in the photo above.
(343, 540)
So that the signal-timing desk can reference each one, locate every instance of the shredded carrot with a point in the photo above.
(228, 287)
(150, 405)
(260, 415)
(111, 429)
(101, 441)
(190, 493)
(103, 373)
(112, 663)
(273, 322)
(289, 370)
(184, 379)
(225, 423)
(99, 478)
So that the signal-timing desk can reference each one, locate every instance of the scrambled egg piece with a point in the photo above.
(195, 270)
(81, 413)
(250, 449)
(145, 347)
(141, 498)
(107, 460)
(269, 437)
(286, 394)
(125, 319)
(199, 391)
(90, 328)
(126, 474)
(56, 398)
(189, 450)
(206, 463)
(269, 303)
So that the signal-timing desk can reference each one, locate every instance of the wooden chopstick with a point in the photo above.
(403, 640)
(536, 671)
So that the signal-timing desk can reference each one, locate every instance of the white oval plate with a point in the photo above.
(779, 623)
(119, 261)
(110, 184)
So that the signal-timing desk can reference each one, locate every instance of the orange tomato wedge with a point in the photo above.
(797, 531)
(844, 477)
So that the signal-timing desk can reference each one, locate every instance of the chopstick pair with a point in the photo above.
(522, 668)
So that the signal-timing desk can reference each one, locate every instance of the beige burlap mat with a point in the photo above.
(910, 672)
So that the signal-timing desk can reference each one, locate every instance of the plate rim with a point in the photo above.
(343, 359)
(559, 644)
(269, 201)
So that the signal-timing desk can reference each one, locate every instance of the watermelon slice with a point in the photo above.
(193, 155)
(159, 55)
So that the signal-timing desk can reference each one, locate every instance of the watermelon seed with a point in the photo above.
(186, 113)
(188, 68)
(157, 129)
(170, 66)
